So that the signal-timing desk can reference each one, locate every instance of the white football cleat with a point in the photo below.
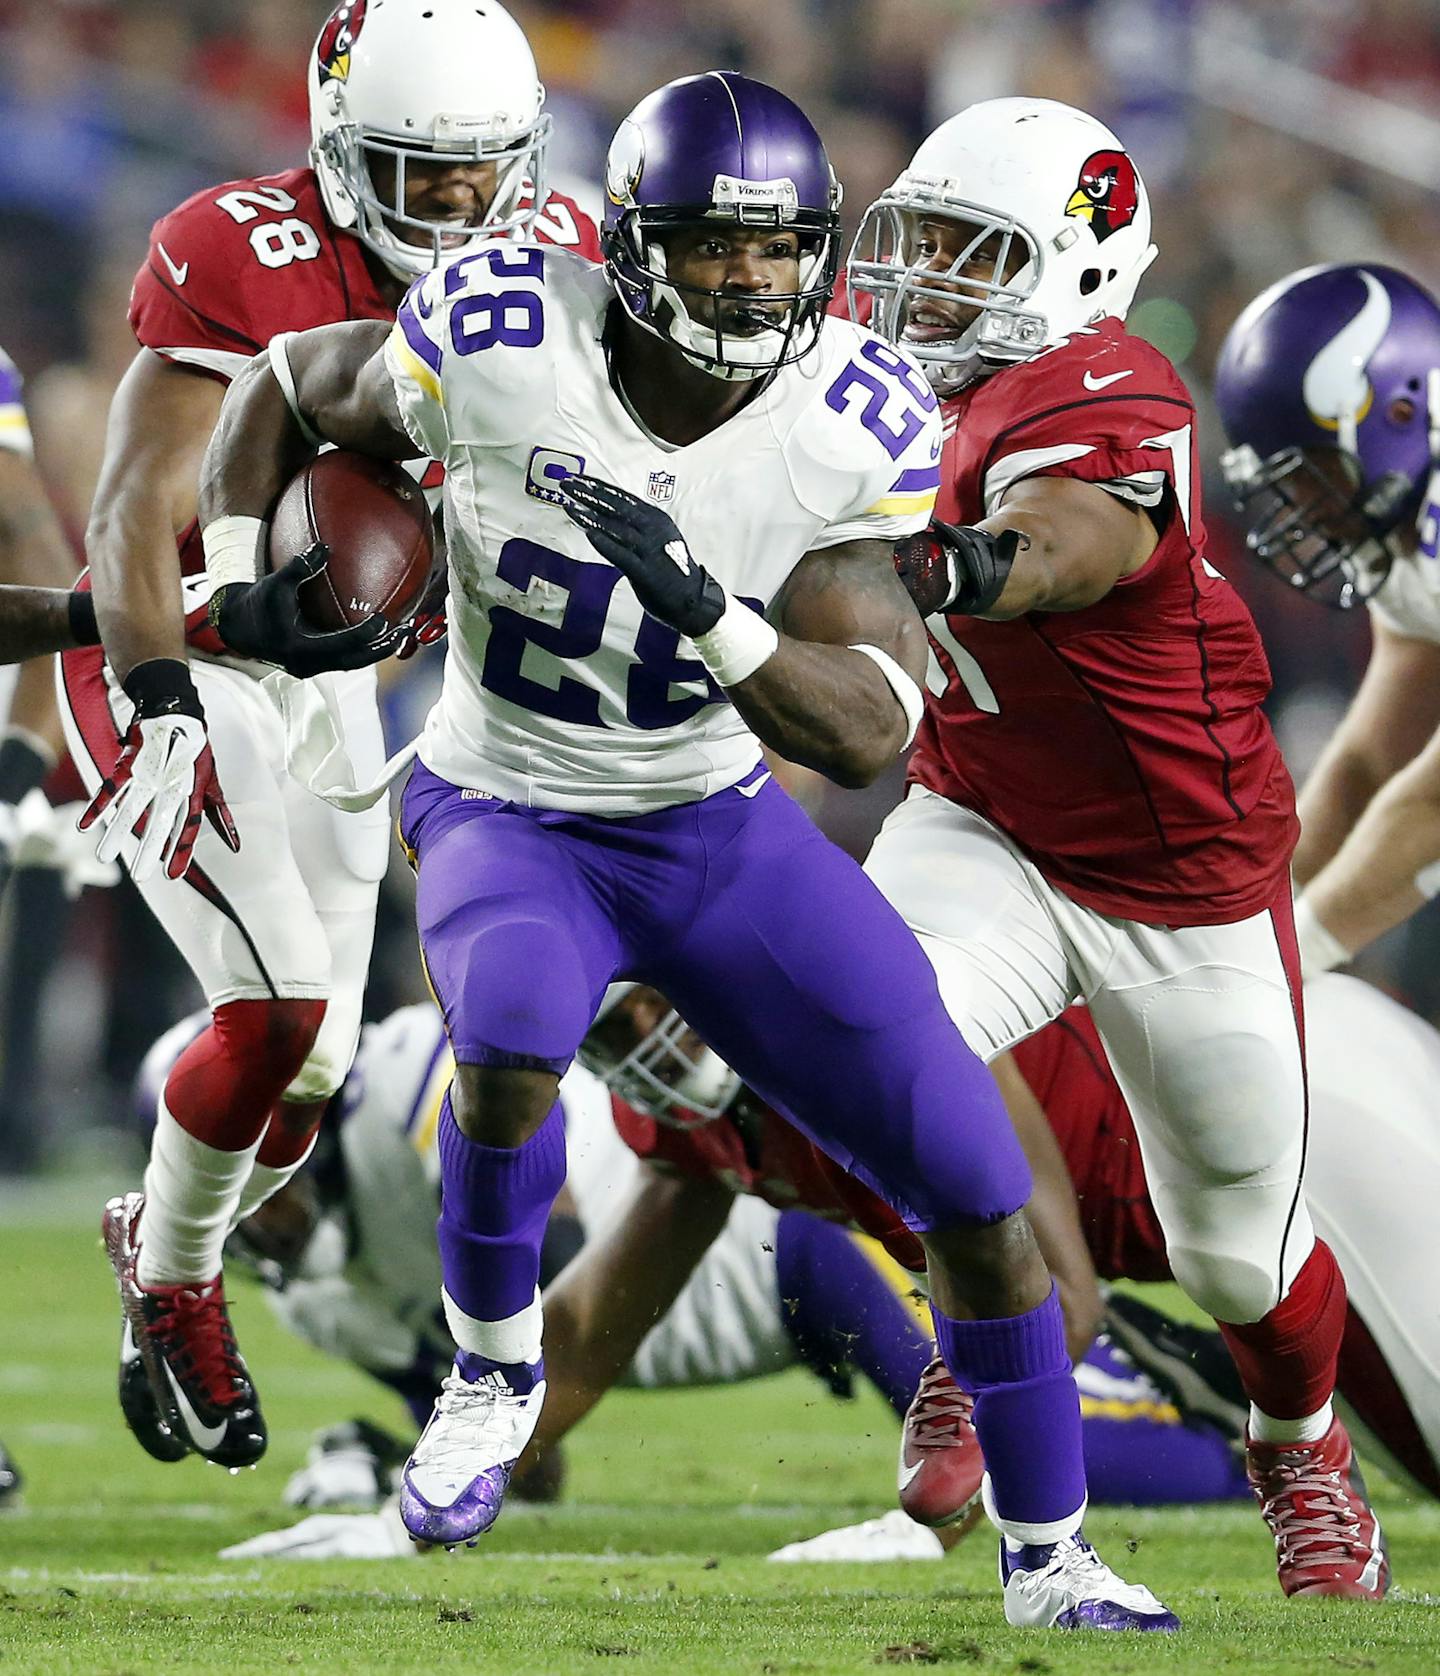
(1067, 1585)
(454, 1483)
(893, 1536)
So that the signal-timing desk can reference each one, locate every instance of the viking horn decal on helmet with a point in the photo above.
(1335, 386)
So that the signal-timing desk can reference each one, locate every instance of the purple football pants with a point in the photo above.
(783, 955)
(770, 941)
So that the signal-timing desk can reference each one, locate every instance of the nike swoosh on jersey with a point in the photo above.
(201, 1435)
(180, 274)
(1090, 381)
(749, 791)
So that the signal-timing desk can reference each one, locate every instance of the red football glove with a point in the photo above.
(164, 780)
(423, 630)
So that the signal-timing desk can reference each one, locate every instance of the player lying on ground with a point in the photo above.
(1329, 387)
(347, 1246)
(639, 462)
(1098, 809)
(429, 139)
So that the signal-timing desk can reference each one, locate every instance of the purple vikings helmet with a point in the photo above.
(720, 147)
(1329, 388)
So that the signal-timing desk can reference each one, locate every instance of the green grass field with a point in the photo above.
(654, 1562)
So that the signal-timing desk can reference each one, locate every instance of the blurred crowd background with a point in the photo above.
(1272, 133)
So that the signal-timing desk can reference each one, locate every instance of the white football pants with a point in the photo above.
(1198, 1022)
(291, 915)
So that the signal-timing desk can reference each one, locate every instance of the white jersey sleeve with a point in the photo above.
(486, 310)
(14, 427)
(866, 454)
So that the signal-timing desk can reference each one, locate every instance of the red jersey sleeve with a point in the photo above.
(239, 262)
(1103, 407)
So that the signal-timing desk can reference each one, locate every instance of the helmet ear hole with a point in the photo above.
(1110, 277)
(1089, 281)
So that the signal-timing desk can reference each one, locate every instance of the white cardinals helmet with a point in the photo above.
(401, 81)
(1055, 226)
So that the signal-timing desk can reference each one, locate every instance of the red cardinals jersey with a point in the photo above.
(756, 1151)
(1122, 746)
(239, 263)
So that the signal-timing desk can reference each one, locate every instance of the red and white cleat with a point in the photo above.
(177, 1340)
(1327, 1538)
(941, 1467)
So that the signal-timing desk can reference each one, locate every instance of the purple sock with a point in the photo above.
(494, 1204)
(1027, 1411)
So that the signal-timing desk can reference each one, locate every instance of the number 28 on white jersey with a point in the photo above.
(559, 690)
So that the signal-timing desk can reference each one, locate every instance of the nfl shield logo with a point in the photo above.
(661, 486)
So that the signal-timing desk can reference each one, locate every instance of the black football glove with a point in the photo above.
(952, 567)
(264, 620)
(643, 542)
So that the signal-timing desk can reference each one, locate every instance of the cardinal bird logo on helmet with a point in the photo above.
(339, 35)
(1107, 194)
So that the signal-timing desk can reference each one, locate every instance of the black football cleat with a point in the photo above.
(183, 1345)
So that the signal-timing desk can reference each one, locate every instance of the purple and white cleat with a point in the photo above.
(1067, 1585)
(454, 1483)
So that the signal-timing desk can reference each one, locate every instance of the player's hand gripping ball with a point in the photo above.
(644, 543)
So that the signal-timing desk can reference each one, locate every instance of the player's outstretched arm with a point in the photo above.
(1053, 1212)
(326, 385)
(160, 420)
(1056, 544)
(1390, 720)
(599, 1309)
(34, 622)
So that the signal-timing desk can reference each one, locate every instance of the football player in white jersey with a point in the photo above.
(673, 490)
(1329, 388)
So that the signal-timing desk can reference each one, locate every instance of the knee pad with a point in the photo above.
(330, 1052)
(1233, 1289)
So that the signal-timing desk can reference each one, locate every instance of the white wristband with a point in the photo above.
(232, 549)
(285, 378)
(1320, 950)
(912, 700)
(738, 644)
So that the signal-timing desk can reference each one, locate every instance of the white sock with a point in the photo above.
(1265, 1428)
(191, 1191)
(265, 1181)
(515, 1339)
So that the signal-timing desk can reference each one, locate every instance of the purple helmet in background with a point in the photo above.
(1329, 389)
(720, 147)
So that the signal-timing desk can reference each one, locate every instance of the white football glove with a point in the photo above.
(347, 1465)
(332, 1536)
(164, 781)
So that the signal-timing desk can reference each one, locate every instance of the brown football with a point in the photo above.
(373, 517)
